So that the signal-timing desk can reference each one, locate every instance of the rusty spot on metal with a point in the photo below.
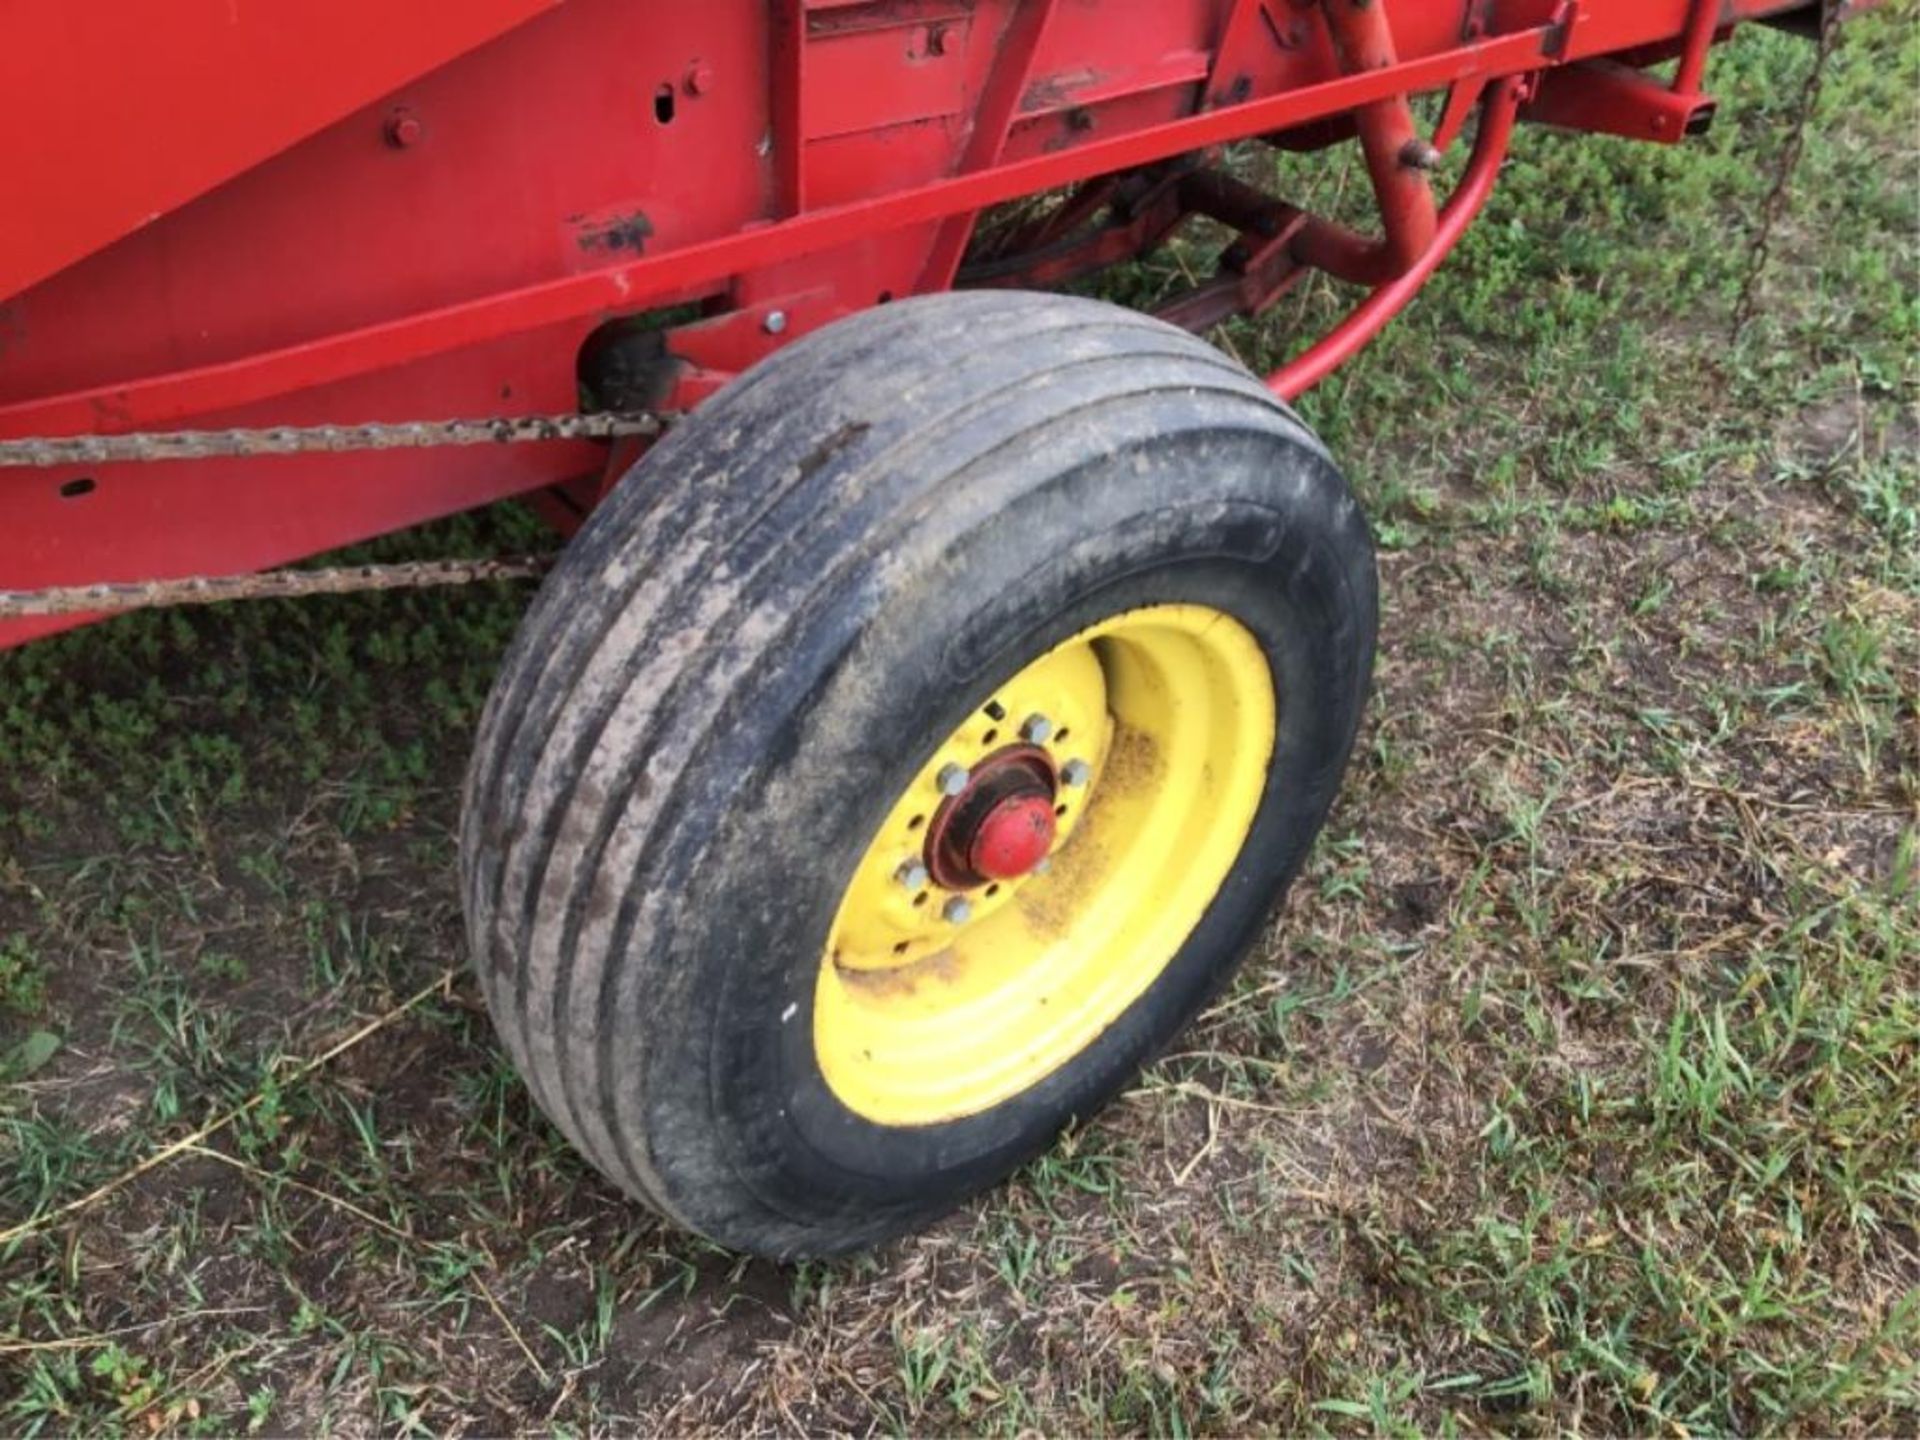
(1133, 763)
(617, 233)
(1053, 92)
(942, 967)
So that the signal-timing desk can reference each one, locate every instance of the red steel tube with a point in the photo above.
(1363, 38)
(1344, 254)
(1701, 27)
(1483, 168)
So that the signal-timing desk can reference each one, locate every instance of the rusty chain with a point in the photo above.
(268, 585)
(1832, 12)
(159, 446)
(319, 439)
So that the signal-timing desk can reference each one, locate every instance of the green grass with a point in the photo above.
(1579, 1088)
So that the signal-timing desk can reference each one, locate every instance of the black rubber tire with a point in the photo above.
(754, 644)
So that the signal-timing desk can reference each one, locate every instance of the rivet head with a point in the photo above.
(958, 910)
(700, 80)
(1076, 773)
(404, 129)
(1036, 730)
(952, 779)
(775, 323)
(912, 875)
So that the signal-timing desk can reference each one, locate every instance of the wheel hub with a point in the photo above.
(1000, 826)
(1013, 839)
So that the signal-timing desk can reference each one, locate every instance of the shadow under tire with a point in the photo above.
(907, 749)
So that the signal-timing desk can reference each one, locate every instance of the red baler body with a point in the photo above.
(222, 213)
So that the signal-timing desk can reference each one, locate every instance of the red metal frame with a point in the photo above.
(1372, 315)
(338, 210)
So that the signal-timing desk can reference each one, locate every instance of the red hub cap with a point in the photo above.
(1016, 836)
(1000, 827)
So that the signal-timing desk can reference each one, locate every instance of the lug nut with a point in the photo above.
(1076, 773)
(912, 876)
(1037, 730)
(958, 910)
(952, 779)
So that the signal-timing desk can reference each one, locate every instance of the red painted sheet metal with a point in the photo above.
(113, 115)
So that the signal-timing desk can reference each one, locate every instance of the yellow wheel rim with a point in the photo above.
(941, 997)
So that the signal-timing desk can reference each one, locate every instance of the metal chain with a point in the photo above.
(320, 439)
(295, 440)
(270, 585)
(1831, 14)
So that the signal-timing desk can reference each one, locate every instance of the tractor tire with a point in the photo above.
(906, 750)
